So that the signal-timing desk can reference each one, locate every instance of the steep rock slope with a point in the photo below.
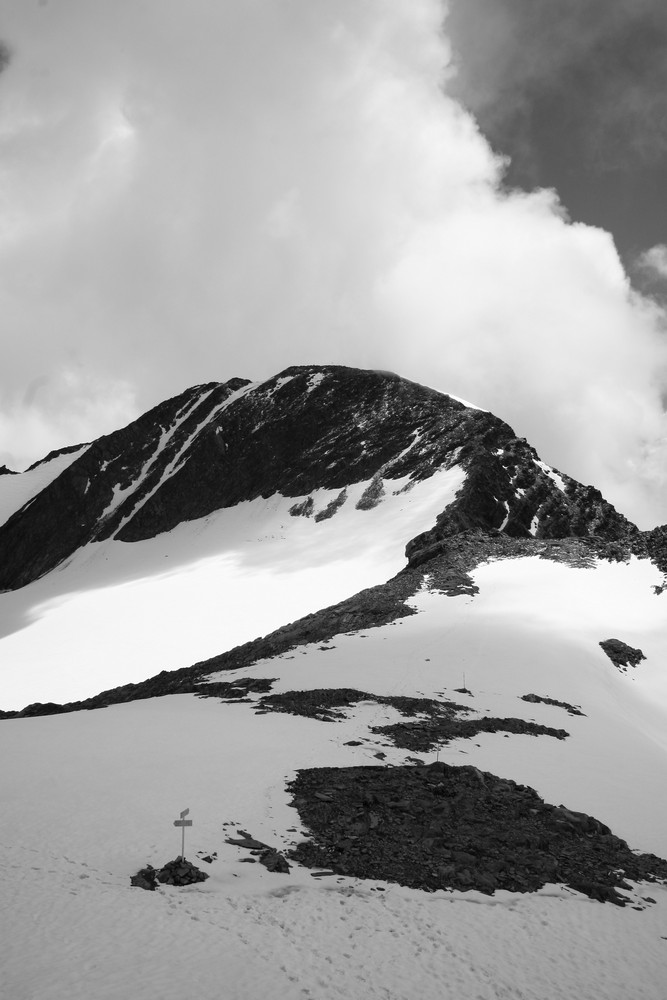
(308, 428)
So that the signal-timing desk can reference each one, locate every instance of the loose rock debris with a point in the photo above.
(442, 827)
(272, 860)
(180, 871)
(434, 722)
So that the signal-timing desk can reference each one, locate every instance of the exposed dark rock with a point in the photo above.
(37, 708)
(332, 507)
(443, 827)
(180, 871)
(508, 490)
(655, 547)
(303, 509)
(177, 872)
(4, 471)
(323, 703)
(146, 878)
(622, 655)
(535, 698)
(372, 495)
(272, 859)
(237, 690)
(438, 725)
(424, 735)
(184, 681)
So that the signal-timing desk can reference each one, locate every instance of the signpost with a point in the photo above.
(183, 822)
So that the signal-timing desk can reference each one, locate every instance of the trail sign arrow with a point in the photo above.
(182, 822)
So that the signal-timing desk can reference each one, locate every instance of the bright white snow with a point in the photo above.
(91, 797)
(552, 474)
(471, 406)
(118, 612)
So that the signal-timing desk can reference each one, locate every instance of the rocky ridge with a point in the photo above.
(307, 428)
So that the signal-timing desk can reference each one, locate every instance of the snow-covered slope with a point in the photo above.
(91, 797)
(233, 508)
(230, 512)
(117, 613)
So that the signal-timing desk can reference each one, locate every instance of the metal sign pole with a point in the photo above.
(183, 822)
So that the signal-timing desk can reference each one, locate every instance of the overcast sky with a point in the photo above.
(471, 195)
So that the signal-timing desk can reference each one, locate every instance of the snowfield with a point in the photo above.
(91, 797)
(119, 612)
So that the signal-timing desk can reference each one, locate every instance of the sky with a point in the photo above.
(468, 193)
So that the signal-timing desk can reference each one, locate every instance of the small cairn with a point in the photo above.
(176, 872)
(180, 872)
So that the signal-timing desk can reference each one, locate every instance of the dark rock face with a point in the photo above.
(216, 445)
(655, 542)
(622, 655)
(94, 495)
(508, 490)
(442, 827)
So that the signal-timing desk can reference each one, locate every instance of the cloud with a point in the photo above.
(202, 190)
(59, 410)
(654, 260)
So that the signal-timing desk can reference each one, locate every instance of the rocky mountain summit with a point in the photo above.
(306, 429)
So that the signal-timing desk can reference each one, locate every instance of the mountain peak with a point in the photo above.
(308, 428)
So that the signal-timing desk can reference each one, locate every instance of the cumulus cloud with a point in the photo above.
(58, 410)
(202, 190)
(654, 260)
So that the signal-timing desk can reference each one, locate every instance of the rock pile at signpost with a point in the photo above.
(180, 872)
(177, 872)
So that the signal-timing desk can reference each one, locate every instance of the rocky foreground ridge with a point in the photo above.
(219, 444)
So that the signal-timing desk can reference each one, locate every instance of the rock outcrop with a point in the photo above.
(433, 722)
(622, 655)
(443, 827)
